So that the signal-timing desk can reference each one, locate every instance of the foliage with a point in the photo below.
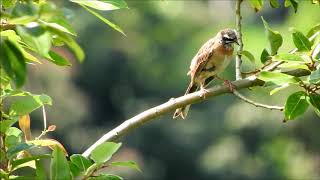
(29, 31)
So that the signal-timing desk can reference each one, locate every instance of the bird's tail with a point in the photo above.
(183, 111)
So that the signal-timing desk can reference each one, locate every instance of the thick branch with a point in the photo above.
(239, 31)
(171, 105)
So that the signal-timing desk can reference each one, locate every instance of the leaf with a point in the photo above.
(6, 124)
(293, 65)
(301, 41)
(274, 37)
(58, 27)
(314, 77)
(315, 100)
(51, 143)
(17, 162)
(274, 3)
(12, 60)
(106, 177)
(264, 56)
(40, 171)
(288, 57)
(57, 59)
(59, 167)
(26, 104)
(256, 4)
(8, 3)
(104, 151)
(277, 89)
(13, 137)
(114, 26)
(103, 5)
(316, 52)
(296, 105)
(36, 37)
(313, 30)
(75, 171)
(23, 20)
(277, 78)
(294, 4)
(24, 124)
(248, 55)
(15, 149)
(129, 164)
(81, 162)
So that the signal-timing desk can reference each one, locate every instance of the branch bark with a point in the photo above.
(239, 31)
(174, 103)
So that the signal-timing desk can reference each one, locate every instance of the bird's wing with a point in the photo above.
(201, 58)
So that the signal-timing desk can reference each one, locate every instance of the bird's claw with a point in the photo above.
(203, 93)
(229, 84)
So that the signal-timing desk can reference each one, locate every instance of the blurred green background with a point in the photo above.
(222, 138)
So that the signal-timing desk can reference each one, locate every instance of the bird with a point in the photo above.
(212, 58)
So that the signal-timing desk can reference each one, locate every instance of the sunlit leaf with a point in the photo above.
(129, 164)
(288, 57)
(296, 105)
(13, 137)
(8, 3)
(301, 41)
(81, 162)
(277, 89)
(256, 4)
(104, 151)
(111, 24)
(24, 124)
(57, 59)
(51, 143)
(274, 37)
(314, 77)
(248, 55)
(277, 78)
(313, 30)
(274, 3)
(5, 124)
(106, 177)
(103, 5)
(17, 162)
(58, 27)
(294, 4)
(26, 104)
(12, 60)
(59, 167)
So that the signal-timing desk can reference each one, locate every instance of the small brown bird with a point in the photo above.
(212, 58)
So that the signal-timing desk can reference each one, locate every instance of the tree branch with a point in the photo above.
(240, 96)
(239, 31)
(172, 104)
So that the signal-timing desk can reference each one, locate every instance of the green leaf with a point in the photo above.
(58, 27)
(301, 41)
(313, 30)
(274, 3)
(248, 55)
(315, 100)
(8, 3)
(104, 152)
(114, 26)
(274, 37)
(103, 5)
(13, 137)
(36, 37)
(277, 89)
(23, 20)
(12, 60)
(6, 124)
(81, 162)
(57, 59)
(59, 167)
(264, 56)
(129, 164)
(314, 77)
(293, 65)
(288, 57)
(75, 171)
(294, 4)
(40, 171)
(106, 177)
(256, 4)
(277, 78)
(296, 105)
(17, 162)
(26, 104)
(15, 149)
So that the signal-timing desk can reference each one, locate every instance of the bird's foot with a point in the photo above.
(203, 92)
(229, 84)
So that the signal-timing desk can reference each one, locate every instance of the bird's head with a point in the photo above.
(229, 36)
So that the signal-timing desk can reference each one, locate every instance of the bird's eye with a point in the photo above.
(227, 38)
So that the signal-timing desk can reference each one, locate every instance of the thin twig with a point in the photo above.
(240, 96)
(239, 31)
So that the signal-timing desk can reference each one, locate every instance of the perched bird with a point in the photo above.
(212, 58)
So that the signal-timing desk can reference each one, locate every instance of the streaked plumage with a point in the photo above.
(212, 58)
